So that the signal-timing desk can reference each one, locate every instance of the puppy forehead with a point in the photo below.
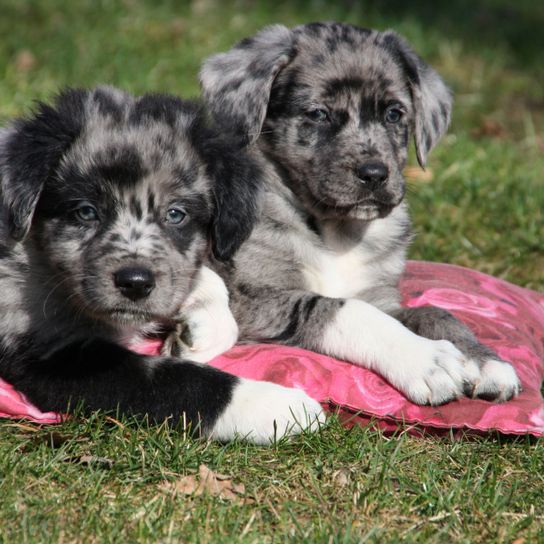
(155, 145)
(134, 160)
(340, 58)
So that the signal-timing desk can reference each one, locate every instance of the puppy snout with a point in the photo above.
(134, 283)
(373, 174)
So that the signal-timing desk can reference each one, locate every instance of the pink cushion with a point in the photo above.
(506, 317)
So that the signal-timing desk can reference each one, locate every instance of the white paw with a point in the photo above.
(498, 382)
(435, 372)
(211, 326)
(213, 330)
(262, 412)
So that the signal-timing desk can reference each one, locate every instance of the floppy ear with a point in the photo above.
(30, 150)
(431, 97)
(237, 84)
(236, 193)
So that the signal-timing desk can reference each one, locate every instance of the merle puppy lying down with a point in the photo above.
(329, 109)
(109, 203)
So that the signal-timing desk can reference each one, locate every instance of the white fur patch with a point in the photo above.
(340, 270)
(426, 371)
(340, 275)
(211, 324)
(262, 412)
(498, 377)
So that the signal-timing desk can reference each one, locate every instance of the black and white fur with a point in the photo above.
(109, 206)
(328, 109)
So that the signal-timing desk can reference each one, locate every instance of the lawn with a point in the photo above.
(480, 205)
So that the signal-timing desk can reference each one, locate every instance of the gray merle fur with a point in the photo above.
(76, 287)
(329, 109)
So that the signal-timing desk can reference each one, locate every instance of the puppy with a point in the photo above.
(109, 206)
(328, 110)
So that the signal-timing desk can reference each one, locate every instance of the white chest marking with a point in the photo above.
(338, 275)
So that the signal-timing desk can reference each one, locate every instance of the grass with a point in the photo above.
(97, 480)
(337, 485)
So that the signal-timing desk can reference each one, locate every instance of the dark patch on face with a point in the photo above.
(341, 85)
(119, 165)
(61, 197)
(327, 131)
(182, 237)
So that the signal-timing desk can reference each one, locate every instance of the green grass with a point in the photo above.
(483, 208)
(337, 485)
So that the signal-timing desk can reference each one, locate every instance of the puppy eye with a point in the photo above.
(393, 115)
(175, 216)
(86, 212)
(318, 115)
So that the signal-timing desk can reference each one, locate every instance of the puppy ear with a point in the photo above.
(236, 194)
(431, 97)
(237, 84)
(30, 150)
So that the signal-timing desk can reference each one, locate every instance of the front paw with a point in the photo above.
(262, 412)
(498, 382)
(436, 372)
(207, 332)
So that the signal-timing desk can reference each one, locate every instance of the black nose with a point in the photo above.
(134, 283)
(373, 174)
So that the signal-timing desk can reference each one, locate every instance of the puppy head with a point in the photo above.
(119, 197)
(335, 104)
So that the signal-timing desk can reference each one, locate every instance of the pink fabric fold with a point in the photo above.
(506, 317)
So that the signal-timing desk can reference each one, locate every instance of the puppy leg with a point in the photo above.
(95, 374)
(426, 371)
(206, 326)
(498, 380)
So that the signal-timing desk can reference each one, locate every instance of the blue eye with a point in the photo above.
(318, 115)
(175, 216)
(393, 115)
(86, 212)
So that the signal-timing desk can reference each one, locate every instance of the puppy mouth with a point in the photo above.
(368, 208)
(382, 207)
(132, 316)
(368, 211)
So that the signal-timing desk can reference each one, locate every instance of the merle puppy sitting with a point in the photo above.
(109, 203)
